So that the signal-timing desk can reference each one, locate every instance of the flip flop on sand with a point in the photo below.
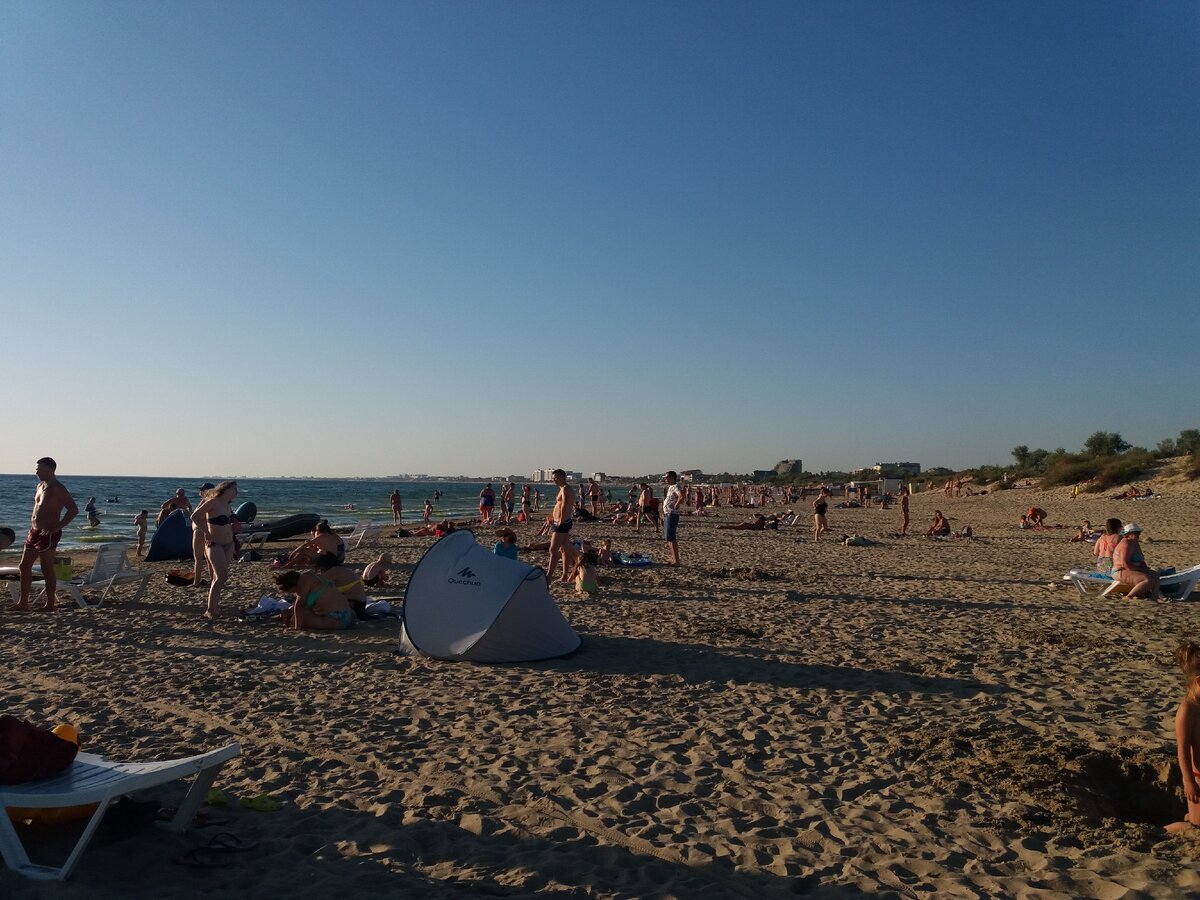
(200, 858)
(261, 803)
(228, 842)
(205, 818)
(216, 797)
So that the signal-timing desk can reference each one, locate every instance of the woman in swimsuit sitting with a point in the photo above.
(213, 519)
(348, 582)
(319, 605)
(323, 540)
(940, 526)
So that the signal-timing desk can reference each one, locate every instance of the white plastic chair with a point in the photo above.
(93, 779)
(110, 569)
(363, 530)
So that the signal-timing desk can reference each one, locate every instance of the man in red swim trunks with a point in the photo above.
(53, 509)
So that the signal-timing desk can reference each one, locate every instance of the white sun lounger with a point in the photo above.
(1088, 581)
(362, 531)
(93, 779)
(1176, 586)
(251, 540)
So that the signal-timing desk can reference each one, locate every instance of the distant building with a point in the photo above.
(897, 469)
(788, 467)
(547, 475)
(598, 476)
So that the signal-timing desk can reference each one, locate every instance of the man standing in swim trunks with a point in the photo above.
(506, 502)
(397, 507)
(53, 509)
(671, 503)
(560, 528)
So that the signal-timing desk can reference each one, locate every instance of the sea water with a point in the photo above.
(119, 499)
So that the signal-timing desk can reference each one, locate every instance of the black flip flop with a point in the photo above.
(228, 842)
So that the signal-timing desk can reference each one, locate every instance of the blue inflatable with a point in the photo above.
(172, 539)
(288, 527)
(246, 511)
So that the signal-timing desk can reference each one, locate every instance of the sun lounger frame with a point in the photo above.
(93, 779)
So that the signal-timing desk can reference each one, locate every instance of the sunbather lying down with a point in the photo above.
(857, 540)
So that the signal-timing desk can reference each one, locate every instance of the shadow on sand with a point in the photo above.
(700, 664)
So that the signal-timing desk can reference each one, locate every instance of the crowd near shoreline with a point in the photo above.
(777, 713)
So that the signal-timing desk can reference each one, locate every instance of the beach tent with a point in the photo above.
(172, 539)
(465, 603)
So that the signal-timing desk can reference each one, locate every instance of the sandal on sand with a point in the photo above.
(200, 858)
(228, 842)
(216, 797)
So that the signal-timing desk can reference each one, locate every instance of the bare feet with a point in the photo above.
(18, 607)
(1180, 827)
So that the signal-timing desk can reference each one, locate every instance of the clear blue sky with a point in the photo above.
(347, 239)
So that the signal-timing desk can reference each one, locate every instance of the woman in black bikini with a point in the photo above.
(214, 519)
(820, 506)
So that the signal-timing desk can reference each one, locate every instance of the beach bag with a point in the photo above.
(28, 753)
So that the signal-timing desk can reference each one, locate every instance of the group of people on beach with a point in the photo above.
(1118, 553)
(566, 507)
(329, 595)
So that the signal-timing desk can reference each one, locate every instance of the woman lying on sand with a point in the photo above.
(758, 523)
(319, 605)
(441, 529)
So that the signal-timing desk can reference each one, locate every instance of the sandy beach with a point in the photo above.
(777, 717)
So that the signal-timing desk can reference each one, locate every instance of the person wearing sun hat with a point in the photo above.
(1129, 565)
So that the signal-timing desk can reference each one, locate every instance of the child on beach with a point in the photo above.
(585, 573)
(375, 574)
(506, 545)
(428, 513)
(605, 556)
(140, 521)
(1187, 735)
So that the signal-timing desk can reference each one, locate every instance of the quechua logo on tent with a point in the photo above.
(464, 577)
